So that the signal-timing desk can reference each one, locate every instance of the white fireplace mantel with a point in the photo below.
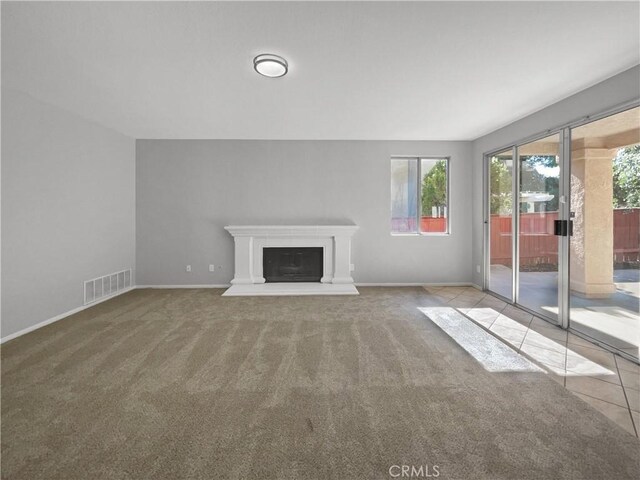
(335, 240)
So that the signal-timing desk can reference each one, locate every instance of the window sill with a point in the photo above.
(431, 234)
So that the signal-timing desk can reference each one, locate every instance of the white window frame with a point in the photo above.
(419, 158)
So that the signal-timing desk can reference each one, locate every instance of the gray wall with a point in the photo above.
(68, 208)
(622, 88)
(188, 190)
(69, 202)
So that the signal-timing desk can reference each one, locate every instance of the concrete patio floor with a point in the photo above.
(614, 321)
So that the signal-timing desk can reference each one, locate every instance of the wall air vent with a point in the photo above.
(107, 286)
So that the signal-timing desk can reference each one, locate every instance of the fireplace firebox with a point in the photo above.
(292, 264)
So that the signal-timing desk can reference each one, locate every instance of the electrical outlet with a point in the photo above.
(188, 268)
(352, 267)
(212, 268)
(478, 268)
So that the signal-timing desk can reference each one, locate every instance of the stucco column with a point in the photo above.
(592, 206)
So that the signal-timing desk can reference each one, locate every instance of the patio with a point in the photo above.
(614, 320)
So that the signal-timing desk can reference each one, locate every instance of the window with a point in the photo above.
(419, 195)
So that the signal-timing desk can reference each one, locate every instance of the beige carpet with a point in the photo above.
(186, 384)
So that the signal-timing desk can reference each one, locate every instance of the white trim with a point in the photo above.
(221, 285)
(357, 284)
(418, 284)
(291, 230)
(62, 315)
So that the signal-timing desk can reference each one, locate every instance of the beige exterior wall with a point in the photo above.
(591, 204)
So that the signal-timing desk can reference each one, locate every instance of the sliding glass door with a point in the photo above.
(562, 236)
(538, 210)
(523, 207)
(605, 248)
(501, 245)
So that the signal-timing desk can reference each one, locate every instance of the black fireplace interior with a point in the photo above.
(292, 264)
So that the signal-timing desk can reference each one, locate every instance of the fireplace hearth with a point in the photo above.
(292, 264)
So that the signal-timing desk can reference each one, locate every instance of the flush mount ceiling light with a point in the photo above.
(270, 65)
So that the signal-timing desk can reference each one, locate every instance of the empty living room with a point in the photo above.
(320, 240)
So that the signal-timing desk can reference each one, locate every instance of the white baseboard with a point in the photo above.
(420, 284)
(221, 285)
(61, 316)
(224, 285)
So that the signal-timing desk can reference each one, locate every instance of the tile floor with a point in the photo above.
(608, 382)
(614, 320)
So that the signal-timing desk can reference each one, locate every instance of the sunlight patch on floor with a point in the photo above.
(490, 352)
(617, 323)
(630, 288)
(547, 345)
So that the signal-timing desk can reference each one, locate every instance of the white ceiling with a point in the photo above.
(417, 70)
